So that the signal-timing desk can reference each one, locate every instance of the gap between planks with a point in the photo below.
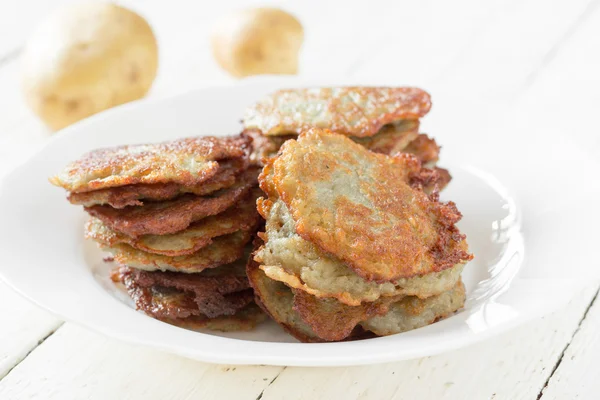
(39, 342)
(260, 395)
(562, 354)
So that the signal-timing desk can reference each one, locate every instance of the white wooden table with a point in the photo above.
(528, 65)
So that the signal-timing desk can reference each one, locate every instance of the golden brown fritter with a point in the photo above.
(352, 111)
(277, 300)
(341, 200)
(332, 320)
(223, 250)
(424, 148)
(132, 195)
(309, 319)
(264, 147)
(228, 299)
(298, 263)
(412, 313)
(391, 139)
(187, 162)
(245, 319)
(242, 216)
(443, 178)
(174, 215)
(177, 295)
(431, 181)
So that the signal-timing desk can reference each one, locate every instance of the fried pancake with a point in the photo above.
(132, 195)
(443, 178)
(187, 162)
(242, 216)
(424, 148)
(223, 250)
(391, 139)
(277, 300)
(264, 147)
(431, 181)
(341, 199)
(352, 111)
(175, 215)
(245, 319)
(412, 313)
(289, 258)
(334, 321)
(173, 295)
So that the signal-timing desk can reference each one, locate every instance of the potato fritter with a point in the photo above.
(223, 250)
(289, 258)
(187, 162)
(218, 299)
(424, 148)
(310, 319)
(173, 215)
(177, 295)
(245, 319)
(352, 111)
(391, 139)
(264, 147)
(412, 313)
(340, 198)
(277, 301)
(132, 195)
(332, 320)
(242, 216)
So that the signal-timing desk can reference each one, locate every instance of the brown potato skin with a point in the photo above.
(257, 41)
(87, 58)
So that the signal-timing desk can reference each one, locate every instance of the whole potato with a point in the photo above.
(258, 41)
(86, 58)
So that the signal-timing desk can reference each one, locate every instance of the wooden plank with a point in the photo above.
(497, 67)
(576, 375)
(75, 363)
(563, 93)
(23, 326)
(514, 365)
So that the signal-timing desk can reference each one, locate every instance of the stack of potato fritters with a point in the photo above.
(177, 218)
(353, 244)
(382, 119)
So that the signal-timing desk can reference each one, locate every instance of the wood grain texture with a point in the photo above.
(576, 376)
(23, 327)
(75, 363)
(511, 366)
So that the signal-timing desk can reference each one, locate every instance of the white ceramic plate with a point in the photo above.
(45, 257)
